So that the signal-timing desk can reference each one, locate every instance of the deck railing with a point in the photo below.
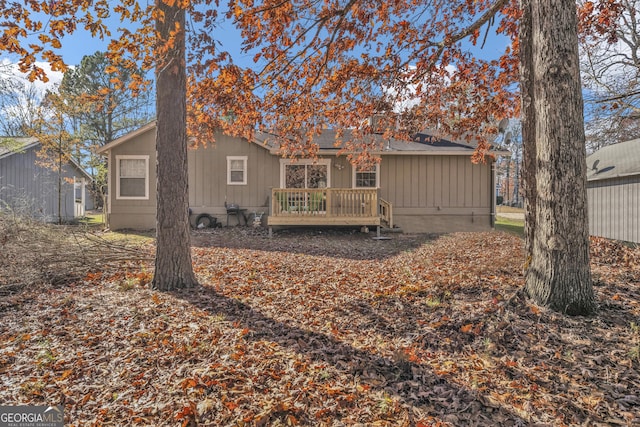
(324, 202)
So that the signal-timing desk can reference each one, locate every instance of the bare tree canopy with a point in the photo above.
(610, 64)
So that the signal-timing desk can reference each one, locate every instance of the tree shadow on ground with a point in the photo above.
(415, 385)
(347, 243)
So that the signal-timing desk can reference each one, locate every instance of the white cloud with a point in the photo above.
(10, 69)
(21, 97)
(407, 99)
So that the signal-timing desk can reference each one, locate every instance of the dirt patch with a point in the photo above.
(347, 242)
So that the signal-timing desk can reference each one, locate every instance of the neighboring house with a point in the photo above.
(30, 189)
(418, 186)
(613, 191)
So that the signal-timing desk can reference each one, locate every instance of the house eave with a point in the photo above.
(84, 172)
(124, 138)
(620, 175)
(336, 152)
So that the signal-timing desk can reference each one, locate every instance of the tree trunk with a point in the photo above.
(173, 267)
(60, 181)
(558, 274)
(528, 115)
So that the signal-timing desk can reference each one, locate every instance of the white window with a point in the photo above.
(305, 173)
(236, 170)
(78, 189)
(132, 177)
(367, 177)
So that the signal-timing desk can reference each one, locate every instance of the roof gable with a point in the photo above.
(20, 145)
(614, 161)
(151, 126)
(127, 137)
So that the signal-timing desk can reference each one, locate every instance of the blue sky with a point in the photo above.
(77, 45)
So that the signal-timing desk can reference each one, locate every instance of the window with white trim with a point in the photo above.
(367, 177)
(237, 170)
(132, 174)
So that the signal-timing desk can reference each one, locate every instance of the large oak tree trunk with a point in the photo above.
(173, 267)
(528, 120)
(558, 272)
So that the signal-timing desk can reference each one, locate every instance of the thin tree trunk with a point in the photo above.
(528, 115)
(173, 267)
(60, 180)
(558, 274)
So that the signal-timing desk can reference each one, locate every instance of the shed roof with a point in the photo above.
(614, 161)
(16, 145)
(20, 145)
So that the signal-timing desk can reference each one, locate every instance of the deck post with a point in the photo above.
(270, 232)
(378, 231)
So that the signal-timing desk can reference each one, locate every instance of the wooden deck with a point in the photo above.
(324, 206)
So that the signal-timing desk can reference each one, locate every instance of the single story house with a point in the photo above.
(613, 191)
(425, 185)
(30, 189)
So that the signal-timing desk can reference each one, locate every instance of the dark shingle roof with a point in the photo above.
(423, 142)
(614, 161)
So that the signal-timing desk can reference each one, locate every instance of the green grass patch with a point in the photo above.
(508, 209)
(92, 220)
(133, 237)
(510, 225)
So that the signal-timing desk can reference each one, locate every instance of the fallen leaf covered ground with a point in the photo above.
(327, 329)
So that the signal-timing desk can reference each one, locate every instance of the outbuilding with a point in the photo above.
(29, 188)
(613, 191)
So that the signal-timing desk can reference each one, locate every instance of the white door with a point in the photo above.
(78, 194)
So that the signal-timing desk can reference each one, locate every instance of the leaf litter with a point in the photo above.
(326, 328)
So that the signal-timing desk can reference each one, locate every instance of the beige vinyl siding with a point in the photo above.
(432, 181)
(127, 213)
(437, 193)
(341, 176)
(208, 188)
(422, 177)
(614, 208)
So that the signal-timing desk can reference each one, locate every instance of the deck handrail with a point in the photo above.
(326, 202)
